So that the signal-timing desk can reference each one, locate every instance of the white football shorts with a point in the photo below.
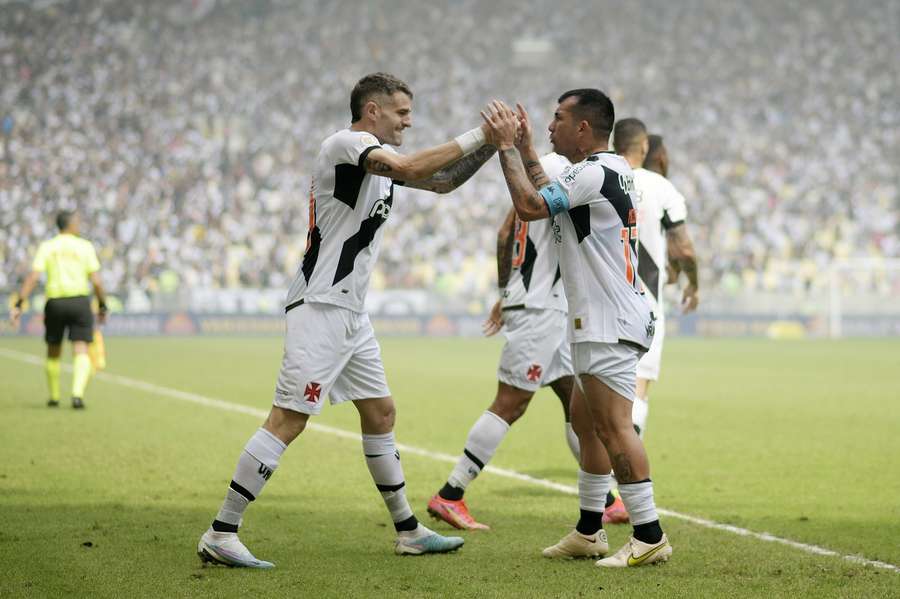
(328, 351)
(649, 365)
(615, 364)
(536, 351)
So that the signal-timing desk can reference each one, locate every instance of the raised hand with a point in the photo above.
(690, 299)
(503, 122)
(524, 139)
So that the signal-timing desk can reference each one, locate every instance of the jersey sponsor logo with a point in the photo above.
(382, 209)
(534, 373)
(312, 392)
(571, 173)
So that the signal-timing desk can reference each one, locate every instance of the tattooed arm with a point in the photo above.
(449, 178)
(416, 166)
(505, 237)
(681, 251)
(525, 145)
(528, 203)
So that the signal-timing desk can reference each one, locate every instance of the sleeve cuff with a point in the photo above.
(364, 154)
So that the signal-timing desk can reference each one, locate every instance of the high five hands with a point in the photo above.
(503, 123)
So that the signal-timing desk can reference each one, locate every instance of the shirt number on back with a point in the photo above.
(520, 241)
(628, 235)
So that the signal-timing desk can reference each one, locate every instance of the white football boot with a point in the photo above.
(637, 553)
(226, 548)
(576, 544)
(424, 540)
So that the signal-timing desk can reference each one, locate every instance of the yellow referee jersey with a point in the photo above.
(68, 260)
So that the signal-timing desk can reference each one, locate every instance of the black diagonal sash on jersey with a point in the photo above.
(648, 271)
(312, 252)
(527, 268)
(361, 239)
(581, 220)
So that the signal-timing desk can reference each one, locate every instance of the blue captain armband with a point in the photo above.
(556, 198)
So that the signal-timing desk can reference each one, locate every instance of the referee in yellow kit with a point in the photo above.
(70, 263)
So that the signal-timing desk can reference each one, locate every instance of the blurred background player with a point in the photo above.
(330, 347)
(71, 266)
(661, 210)
(680, 247)
(532, 313)
(610, 324)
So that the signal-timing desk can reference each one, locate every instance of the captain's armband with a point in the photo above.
(555, 197)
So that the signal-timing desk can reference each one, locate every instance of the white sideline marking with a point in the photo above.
(443, 457)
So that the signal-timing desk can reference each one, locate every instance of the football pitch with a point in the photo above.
(785, 453)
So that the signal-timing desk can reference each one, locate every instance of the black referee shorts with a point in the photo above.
(73, 313)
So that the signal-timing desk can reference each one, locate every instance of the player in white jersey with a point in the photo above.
(610, 323)
(532, 314)
(661, 210)
(330, 347)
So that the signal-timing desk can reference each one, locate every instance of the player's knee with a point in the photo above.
(611, 427)
(377, 416)
(285, 424)
(510, 404)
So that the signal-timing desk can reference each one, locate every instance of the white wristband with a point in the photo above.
(471, 140)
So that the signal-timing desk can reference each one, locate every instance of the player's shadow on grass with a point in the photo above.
(103, 540)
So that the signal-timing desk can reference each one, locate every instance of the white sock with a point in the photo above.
(484, 438)
(383, 461)
(639, 410)
(254, 468)
(420, 531)
(572, 440)
(592, 490)
(638, 500)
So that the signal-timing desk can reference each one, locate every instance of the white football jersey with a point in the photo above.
(598, 257)
(534, 281)
(347, 207)
(660, 207)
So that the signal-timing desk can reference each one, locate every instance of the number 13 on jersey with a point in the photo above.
(629, 237)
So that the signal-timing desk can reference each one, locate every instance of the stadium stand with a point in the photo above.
(185, 131)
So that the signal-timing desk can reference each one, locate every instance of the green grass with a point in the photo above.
(798, 439)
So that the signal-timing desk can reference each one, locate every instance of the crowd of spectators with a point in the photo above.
(185, 131)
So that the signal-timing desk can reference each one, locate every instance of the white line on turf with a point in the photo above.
(443, 457)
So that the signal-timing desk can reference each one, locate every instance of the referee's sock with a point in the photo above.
(81, 372)
(53, 368)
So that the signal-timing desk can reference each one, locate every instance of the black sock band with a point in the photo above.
(451, 493)
(651, 532)
(474, 459)
(589, 522)
(406, 525)
(220, 526)
(610, 499)
(244, 492)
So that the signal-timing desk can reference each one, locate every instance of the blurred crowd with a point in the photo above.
(185, 131)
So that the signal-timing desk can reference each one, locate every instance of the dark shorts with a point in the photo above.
(73, 313)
